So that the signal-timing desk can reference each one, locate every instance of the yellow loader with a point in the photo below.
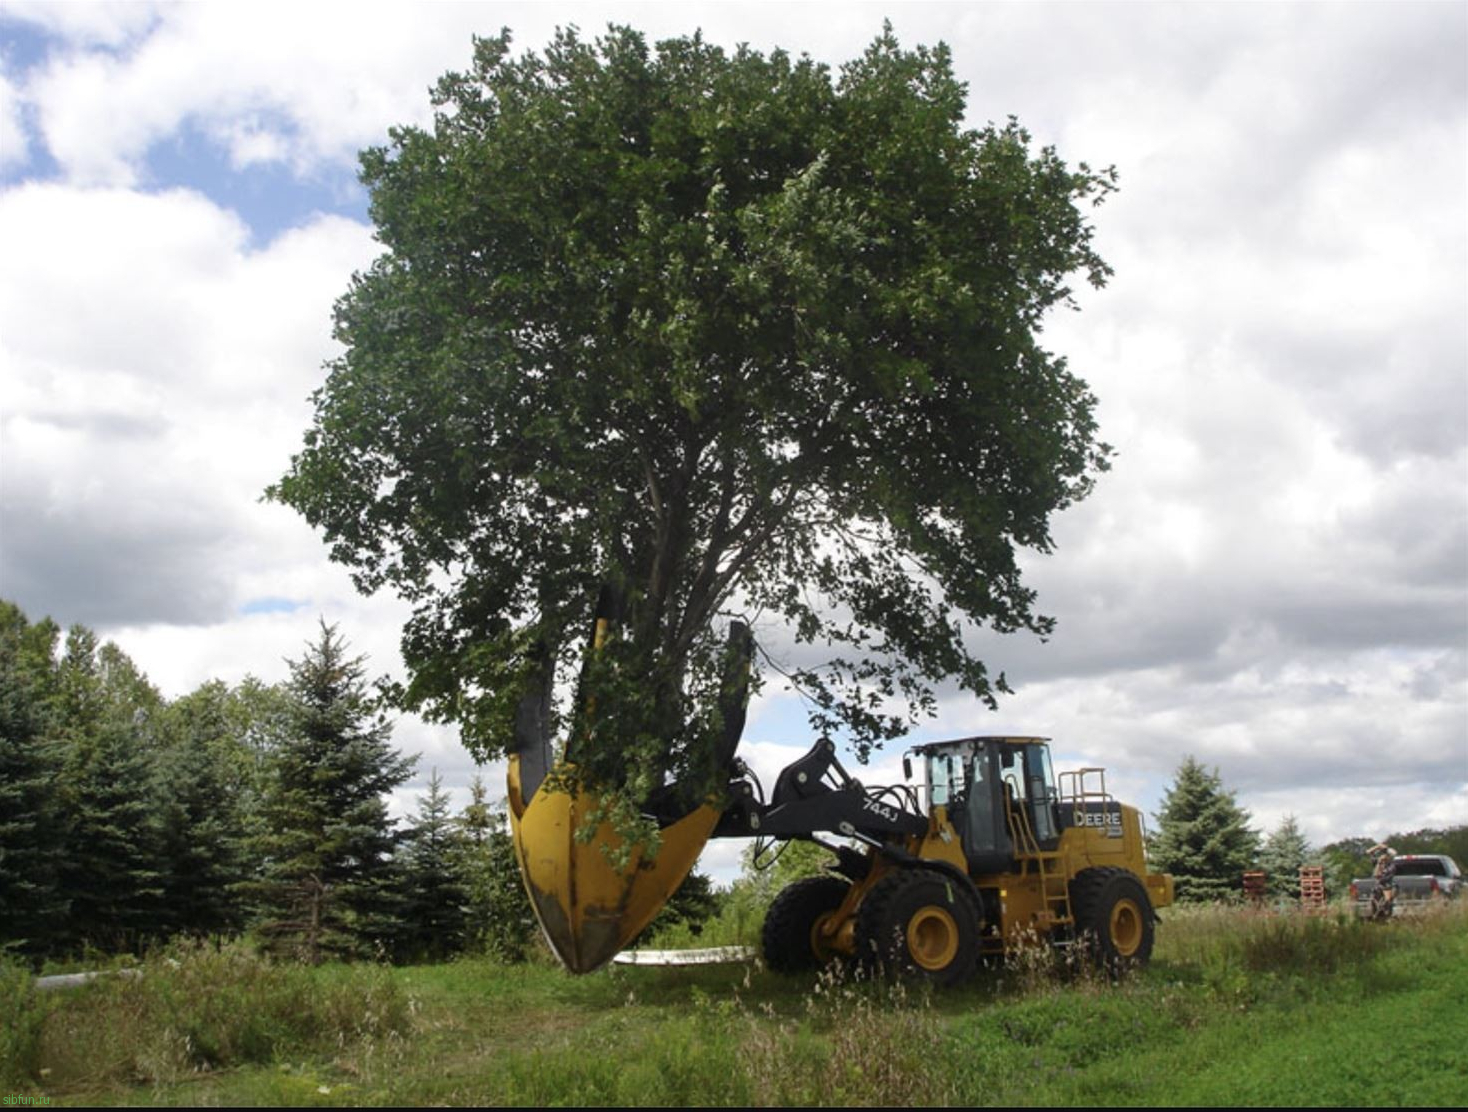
(988, 853)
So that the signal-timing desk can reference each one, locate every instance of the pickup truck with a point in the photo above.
(1420, 876)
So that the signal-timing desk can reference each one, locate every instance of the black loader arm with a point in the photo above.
(812, 795)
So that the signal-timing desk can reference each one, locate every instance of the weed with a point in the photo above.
(22, 1014)
(1302, 944)
(1243, 1009)
(199, 1007)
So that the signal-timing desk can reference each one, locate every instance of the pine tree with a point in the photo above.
(432, 870)
(32, 846)
(328, 885)
(1284, 852)
(205, 777)
(501, 922)
(115, 871)
(105, 714)
(1203, 837)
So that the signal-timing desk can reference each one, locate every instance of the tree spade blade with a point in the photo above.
(588, 909)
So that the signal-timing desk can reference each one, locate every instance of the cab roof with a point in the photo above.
(1012, 739)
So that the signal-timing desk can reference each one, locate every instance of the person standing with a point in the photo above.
(1383, 897)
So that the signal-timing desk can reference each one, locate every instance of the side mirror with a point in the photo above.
(906, 767)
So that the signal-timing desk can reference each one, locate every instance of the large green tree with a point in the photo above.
(1203, 836)
(702, 332)
(210, 786)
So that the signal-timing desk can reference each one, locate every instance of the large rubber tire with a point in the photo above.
(1114, 918)
(919, 923)
(788, 937)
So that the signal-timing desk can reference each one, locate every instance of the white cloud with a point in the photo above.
(156, 379)
(258, 81)
(1274, 577)
(262, 87)
(103, 23)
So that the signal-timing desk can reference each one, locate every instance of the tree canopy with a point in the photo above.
(724, 334)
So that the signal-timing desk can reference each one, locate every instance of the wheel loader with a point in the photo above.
(987, 854)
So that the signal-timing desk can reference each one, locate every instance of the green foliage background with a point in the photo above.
(260, 809)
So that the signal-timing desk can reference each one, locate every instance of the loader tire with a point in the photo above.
(788, 939)
(1115, 923)
(919, 923)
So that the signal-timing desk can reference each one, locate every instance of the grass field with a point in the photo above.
(1237, 1008)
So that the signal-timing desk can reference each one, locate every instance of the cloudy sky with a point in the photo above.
(1273, 578)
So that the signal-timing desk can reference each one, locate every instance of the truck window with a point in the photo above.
(1422, 866)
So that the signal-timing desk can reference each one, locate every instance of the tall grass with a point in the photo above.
(21, 1020)
(1232, 1001)
(195, 1008)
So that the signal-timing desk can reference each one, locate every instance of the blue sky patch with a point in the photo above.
(267, 196)
(271, 197)
(270, 604)
(22, 45)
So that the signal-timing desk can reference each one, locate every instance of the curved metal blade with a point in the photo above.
(589, 910)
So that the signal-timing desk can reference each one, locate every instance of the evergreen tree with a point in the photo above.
(501, 922)
(1284, 852)
(328, 884)
(31, 832)
(1203, 837)
(115, 871)
(434, 912)
(105, 722)
(205, 781)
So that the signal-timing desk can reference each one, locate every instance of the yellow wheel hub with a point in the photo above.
(932, 938)
(821, 942)
(1126, 928)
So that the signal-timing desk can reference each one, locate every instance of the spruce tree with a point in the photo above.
(32, 848)
(203, 776)
(1284, 852)
(501, 922)
(1203, 837)
(105, 718)
(327, 886)
(434, 911)
(115, 870)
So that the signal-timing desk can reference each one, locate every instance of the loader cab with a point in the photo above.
(1000, 796)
